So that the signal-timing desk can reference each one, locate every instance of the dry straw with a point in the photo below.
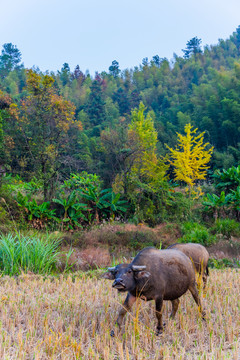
(62, 319)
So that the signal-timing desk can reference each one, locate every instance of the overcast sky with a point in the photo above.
(93, 33)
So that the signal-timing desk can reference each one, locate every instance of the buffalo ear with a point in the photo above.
(141, 274)
(108, 275)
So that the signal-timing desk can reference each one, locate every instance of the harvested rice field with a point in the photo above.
(58, 318)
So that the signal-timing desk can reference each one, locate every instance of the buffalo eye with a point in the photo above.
(129, 271)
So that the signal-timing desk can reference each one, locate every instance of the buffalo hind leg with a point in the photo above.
(205, 276)
(128, 303)
(195, 294)
(175, 304)
(159, 304)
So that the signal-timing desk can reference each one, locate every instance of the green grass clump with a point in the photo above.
(19, 253)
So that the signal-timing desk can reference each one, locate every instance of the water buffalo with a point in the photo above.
(199, 256)
(155, 275)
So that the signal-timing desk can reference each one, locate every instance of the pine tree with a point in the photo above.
(114, 69)
(95, 106)
(193, 47)
(10, 59)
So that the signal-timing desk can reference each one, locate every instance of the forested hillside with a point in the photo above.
(119, 124)
(201, 87)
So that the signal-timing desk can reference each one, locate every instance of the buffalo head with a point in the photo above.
(126, 276)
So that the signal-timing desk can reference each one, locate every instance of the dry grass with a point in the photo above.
(122, 237)
(86, 259)
(61, 319)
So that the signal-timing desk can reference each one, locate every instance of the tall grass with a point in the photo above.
(21, 253)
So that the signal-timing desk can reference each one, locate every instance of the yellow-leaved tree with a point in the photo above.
(191, 157)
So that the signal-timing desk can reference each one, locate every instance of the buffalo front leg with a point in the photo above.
(159, 304)
(128, 303)
(195, 294)
(175, 304)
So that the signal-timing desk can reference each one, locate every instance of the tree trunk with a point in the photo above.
(97, 216)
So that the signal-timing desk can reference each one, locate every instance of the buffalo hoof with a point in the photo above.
(159, 331)
(112, 334)
(204, 315)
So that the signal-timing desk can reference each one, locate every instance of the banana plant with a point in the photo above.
(43, 211)
(73, 211)
(114, 204)
(83, 180)
(95, 199)
(104, 202)
(33, 210)
(66, 202)
(235, 200)
(217, 203)
(227, 179)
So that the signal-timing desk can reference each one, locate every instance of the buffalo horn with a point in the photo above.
(111, 269)
(138, 267)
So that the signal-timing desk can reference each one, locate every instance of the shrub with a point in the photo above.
(19, 253)
(223, 263)
(196, 233)
(218, 205)
(188, 226)
(38, 215)
(9, 208)
(182, 207)
(227, 179)
(3, 214)
(226, 227)
(15, 184)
